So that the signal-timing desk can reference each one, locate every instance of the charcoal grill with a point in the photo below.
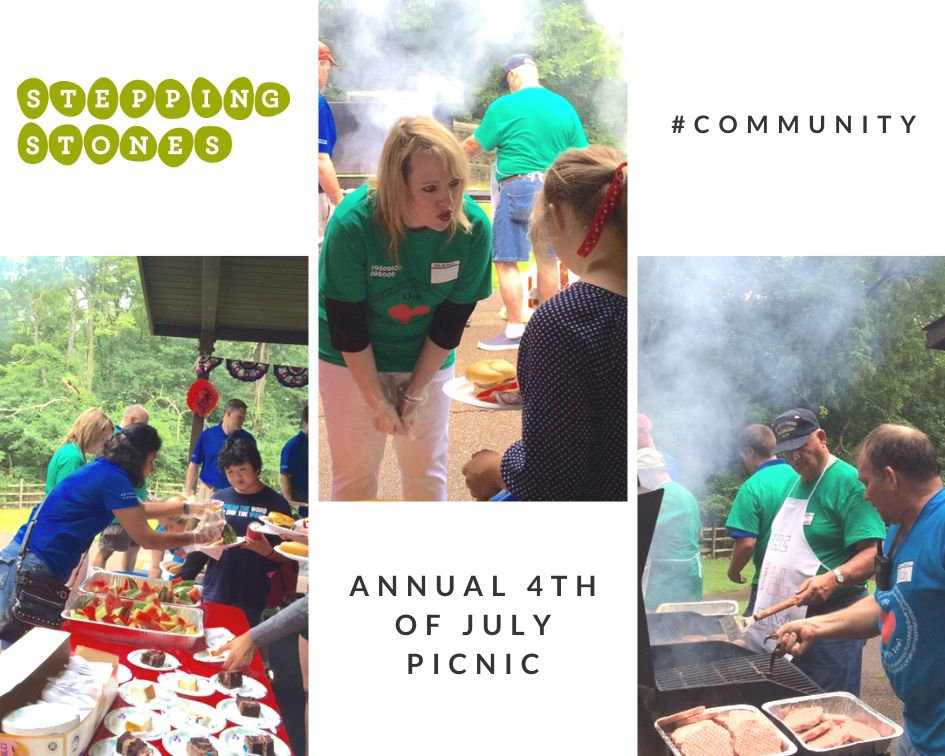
(723, 676)
(671, 627)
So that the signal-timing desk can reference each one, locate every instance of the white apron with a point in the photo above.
(789, 561)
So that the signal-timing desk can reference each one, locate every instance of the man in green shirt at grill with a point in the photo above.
(756, 503)
(528, 128)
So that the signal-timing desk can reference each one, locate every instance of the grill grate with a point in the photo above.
(749, 669)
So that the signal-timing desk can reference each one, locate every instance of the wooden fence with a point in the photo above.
(715, 542)
(23, 495)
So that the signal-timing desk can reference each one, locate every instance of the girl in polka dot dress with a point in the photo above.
(572, 364)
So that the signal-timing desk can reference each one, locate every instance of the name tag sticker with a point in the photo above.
(442, 272)
(904, 573)
(808, 518)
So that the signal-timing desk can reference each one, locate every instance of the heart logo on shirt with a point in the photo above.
(405, 314)
(889, 625)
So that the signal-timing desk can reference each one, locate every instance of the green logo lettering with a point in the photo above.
(238, 99)
(103, 98)
(175, 147)
(32, 143)
(271, 99)
(101, 143)
(136, 99)
(33, 97)
(67, 97)
(212, 143)
(138, 144)
(172, 99)
(65, 143)
(205, 97)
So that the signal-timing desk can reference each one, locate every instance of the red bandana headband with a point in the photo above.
(604, 212)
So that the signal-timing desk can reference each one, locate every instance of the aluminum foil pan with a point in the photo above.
(708, 608)
(787, 747)
(839, 703)
(134, 636)
(116, 578)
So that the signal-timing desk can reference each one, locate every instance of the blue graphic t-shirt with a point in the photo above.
(77, 510)
(295, 465)
(240, 577)
(912, 625)
(207, 450)
(326, 127)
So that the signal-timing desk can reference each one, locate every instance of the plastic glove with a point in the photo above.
(408, 407)
(209, 531)
(385, 418)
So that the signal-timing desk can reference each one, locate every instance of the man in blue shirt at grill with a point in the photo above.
(293, 472)
(208, 448)
(900, 469)
(329, 190)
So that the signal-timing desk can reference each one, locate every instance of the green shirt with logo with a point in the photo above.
(354, 266)
(837, 517)
(757, 502)
(530, 128)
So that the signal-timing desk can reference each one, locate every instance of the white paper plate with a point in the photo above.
(184, 716)
(162, 696)
(123, 674)
(176, 742)
(283, 532)
(217, 636)
(205, 657)
(214, 552)
(293, 557)
(251, 687)
(115, 723)
(460, 390)
(170, 662)
(268, 717)
(169, 680)
(232, 740)
(107, 746)
(41, 718)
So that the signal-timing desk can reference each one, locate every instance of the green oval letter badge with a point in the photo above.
(103, 98)
(137, 97)
(271, 99)
(101, 143)
(33, 97)
(172, 99)
(212, 144)
(32, 144)
(65, 143)
(238, 99)
(138, 144)
(205, 97)
(175, 147)
(67, 97)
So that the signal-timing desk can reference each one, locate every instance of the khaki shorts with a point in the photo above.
(116, 538)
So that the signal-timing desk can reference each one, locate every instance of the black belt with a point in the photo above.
(519, 176)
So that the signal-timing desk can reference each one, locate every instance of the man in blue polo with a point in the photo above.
(329, 190)
(293, 472)
(528, 128)
(208, 448)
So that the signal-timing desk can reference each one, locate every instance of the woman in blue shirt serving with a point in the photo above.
(82, 504)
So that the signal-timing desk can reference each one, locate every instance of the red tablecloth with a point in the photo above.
(215, 615)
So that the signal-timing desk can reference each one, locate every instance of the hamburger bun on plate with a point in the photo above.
(495, 381)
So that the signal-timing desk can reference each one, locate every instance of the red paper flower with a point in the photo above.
(202, 397)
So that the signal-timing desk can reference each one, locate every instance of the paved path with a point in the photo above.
(471, 429)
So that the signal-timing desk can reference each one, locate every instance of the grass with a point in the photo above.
(11, 519)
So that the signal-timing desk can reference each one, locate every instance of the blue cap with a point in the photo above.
(514, 62)
(793, 428)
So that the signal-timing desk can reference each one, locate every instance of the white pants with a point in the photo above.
(357, 449)
(325, 209)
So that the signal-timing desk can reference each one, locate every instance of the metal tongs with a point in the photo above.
(774, 653)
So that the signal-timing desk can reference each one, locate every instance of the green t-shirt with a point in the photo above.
(676, 538)
(530, 128)
(354, 266)
(67, 459)
(839, 517)
(757, 502)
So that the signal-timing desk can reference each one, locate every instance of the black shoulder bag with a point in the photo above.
(38, 598)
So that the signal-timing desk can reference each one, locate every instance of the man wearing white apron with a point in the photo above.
(821, 549)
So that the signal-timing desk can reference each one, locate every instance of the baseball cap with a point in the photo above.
(514, 62)
(644, 423)
(793, 428)
(324, 53)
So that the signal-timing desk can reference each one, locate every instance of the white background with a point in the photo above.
(794, 194)
(581, 702)
(259, 199)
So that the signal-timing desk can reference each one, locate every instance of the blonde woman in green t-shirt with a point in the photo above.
(403, 264)
(85, 439)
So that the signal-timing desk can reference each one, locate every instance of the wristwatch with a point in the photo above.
(839, 575)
